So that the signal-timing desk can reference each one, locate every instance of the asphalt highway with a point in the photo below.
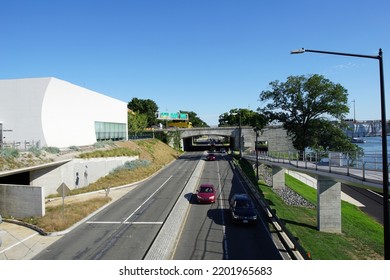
(127, 228)
(209, 233)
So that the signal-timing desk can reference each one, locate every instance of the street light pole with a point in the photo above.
(385, 168)
(257, 155)
(239, 131)
(240, 137)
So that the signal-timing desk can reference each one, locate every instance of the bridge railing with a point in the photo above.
(367, 166)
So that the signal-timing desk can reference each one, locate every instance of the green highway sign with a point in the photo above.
(172, 116)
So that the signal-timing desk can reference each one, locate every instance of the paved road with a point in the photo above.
(209, 234)
(371, 202)
(127, 228)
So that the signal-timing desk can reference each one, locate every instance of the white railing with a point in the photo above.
(22, 145)
(367, 167)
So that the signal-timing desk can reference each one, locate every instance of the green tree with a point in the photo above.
(145, 107)
(305, 105)
(137, 122)
(330, 136)
(245, 117)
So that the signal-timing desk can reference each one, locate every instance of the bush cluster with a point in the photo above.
(131, 165)
(117, 152)
(52, 150)
(9, 153)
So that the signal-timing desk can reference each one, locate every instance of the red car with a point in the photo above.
(210, 157)
(206, 193)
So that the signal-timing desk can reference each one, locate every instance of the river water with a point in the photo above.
(373, 151)
(374, 144)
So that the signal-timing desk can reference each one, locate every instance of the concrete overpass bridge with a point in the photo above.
(238, 138)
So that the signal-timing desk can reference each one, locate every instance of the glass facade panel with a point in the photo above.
(110, 131)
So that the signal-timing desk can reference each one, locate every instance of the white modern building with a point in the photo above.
(55, 113)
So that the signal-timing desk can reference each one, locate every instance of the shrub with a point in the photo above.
(36, 151)
(74, 148)
(102, 144)
(117, 152)
(9, 153)
(52, 150)
(131, 165)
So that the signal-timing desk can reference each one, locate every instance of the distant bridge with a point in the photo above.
(241, 138)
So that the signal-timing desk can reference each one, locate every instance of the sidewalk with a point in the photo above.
(20, 242)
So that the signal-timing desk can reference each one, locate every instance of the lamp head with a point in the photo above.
(302, 50)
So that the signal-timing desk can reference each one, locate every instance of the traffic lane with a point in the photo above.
(250, 242)
(200, 237)
(247, 241)
(209, 232)
(144, 225)
(112, 232)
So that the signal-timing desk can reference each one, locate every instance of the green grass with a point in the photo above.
(361, 237)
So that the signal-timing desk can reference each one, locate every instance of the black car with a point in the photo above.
(242, 209)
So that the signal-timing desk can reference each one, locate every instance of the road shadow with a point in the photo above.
(190, 197)
(285, 221)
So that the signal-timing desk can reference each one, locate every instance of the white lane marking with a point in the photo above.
(127, 223)
(126, 220)
(131, 215)
(17, 243)
(143, 223)
(102, 222)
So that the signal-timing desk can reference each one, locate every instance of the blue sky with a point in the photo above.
(206, 56)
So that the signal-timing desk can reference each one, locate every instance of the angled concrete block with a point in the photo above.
(329, 205)
(278, 177)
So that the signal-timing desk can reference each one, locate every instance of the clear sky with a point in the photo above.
(206, 56)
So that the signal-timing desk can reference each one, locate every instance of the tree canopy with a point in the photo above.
(136, 122)
(243, 117)
(146, 107)
(310, 109)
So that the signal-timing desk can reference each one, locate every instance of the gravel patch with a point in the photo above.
(289, 196)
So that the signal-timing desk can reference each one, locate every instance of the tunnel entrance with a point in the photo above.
(215, 143)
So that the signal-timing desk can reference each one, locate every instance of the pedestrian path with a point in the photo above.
(358, 177)
(312, 182)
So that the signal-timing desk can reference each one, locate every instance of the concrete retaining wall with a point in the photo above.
(21, 201)
(25, 201)
(76, 173)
